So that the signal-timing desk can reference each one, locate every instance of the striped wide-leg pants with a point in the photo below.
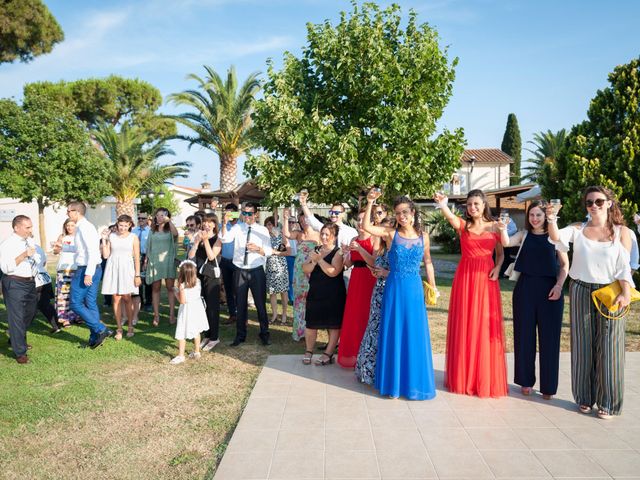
(597, 352)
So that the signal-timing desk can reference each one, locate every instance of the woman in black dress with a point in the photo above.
(205, 248)
(327, 294)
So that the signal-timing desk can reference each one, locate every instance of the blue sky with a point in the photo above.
(541, 60)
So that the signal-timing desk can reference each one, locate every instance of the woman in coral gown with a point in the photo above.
(361, 283)
(475, 361)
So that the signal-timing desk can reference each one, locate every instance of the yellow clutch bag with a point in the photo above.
(430, 293)
(607, 295)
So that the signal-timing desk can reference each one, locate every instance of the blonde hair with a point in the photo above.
(188, 275)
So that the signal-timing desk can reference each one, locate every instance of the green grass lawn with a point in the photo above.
(121, 411)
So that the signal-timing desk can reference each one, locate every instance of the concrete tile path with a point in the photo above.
(308, 422)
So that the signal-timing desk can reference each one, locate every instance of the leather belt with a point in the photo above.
(20, 279)
(359, 264)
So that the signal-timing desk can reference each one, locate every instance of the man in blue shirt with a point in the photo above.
(142, 232)
(226, 264)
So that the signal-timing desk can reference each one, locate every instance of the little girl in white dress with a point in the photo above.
(192, 318)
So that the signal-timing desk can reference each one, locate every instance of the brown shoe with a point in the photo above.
(22, 359)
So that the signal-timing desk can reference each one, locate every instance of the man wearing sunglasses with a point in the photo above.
(227, 267)
(336, 215)
(142, 232)
(251, 247)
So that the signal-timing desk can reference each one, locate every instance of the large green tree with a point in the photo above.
(219, 118)
(602, 150)
(113, 100)
(46, 155)
(512, 146)
(359, 107)
(134, 165)
(546, 147)
(27, 29)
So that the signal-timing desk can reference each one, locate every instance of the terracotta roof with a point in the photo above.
(486, 155)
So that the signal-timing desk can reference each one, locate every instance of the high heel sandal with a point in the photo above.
(328, 361)
(526, 390)
(307, 360)
(156, 322)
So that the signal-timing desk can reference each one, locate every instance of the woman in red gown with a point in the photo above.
(475, 361)
(361, 283)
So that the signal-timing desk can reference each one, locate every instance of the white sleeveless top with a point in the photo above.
(593, 261)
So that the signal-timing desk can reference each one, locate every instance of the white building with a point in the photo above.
(481, 168)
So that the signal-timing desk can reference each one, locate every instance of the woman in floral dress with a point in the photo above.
(366, 362)
(66, 247)
(307, 239)
(277, 270)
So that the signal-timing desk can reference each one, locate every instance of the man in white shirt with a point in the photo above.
(18, 284)
(85, 282)
(336, 215)
(252, 246)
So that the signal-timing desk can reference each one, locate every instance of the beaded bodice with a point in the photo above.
(405, 255)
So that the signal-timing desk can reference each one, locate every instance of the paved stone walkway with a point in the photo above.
(308, 422)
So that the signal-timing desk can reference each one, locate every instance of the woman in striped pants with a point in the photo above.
(600, 256)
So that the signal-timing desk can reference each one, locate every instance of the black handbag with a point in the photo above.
(209, 270)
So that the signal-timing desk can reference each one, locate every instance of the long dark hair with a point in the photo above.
(486, 213)
(614, 215)
(154, 224)
(417, 226)
(542, 205)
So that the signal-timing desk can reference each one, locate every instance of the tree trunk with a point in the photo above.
(41, 229)
(228, 172)
(126, 207)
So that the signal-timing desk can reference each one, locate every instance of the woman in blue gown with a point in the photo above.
(404, 366)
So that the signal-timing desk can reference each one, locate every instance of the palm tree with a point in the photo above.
(546, 147)
(134, 163)
(221, 121)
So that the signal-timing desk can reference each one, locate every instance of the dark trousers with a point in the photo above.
(211, 294)
(255, 280)
(144, 289)
(533, 310)
(20, 300)
(228, 269)
(44, 295)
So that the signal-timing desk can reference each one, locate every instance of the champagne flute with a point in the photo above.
(555, 203)
(442, 194)
(504, 216)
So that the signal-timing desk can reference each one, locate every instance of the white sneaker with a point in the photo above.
(177, 360)
(203, 342)
(194, 355)
(209, 346)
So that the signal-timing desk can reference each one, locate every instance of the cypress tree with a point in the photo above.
(512, 146)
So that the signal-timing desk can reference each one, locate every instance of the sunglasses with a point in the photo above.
(142, 218)
(334, 212)
(598, 202)
(379, 212)
(191, 225)
(248, 214)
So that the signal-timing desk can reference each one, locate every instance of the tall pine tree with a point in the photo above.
(512, 146)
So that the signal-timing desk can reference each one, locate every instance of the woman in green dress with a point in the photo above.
(160, 261)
